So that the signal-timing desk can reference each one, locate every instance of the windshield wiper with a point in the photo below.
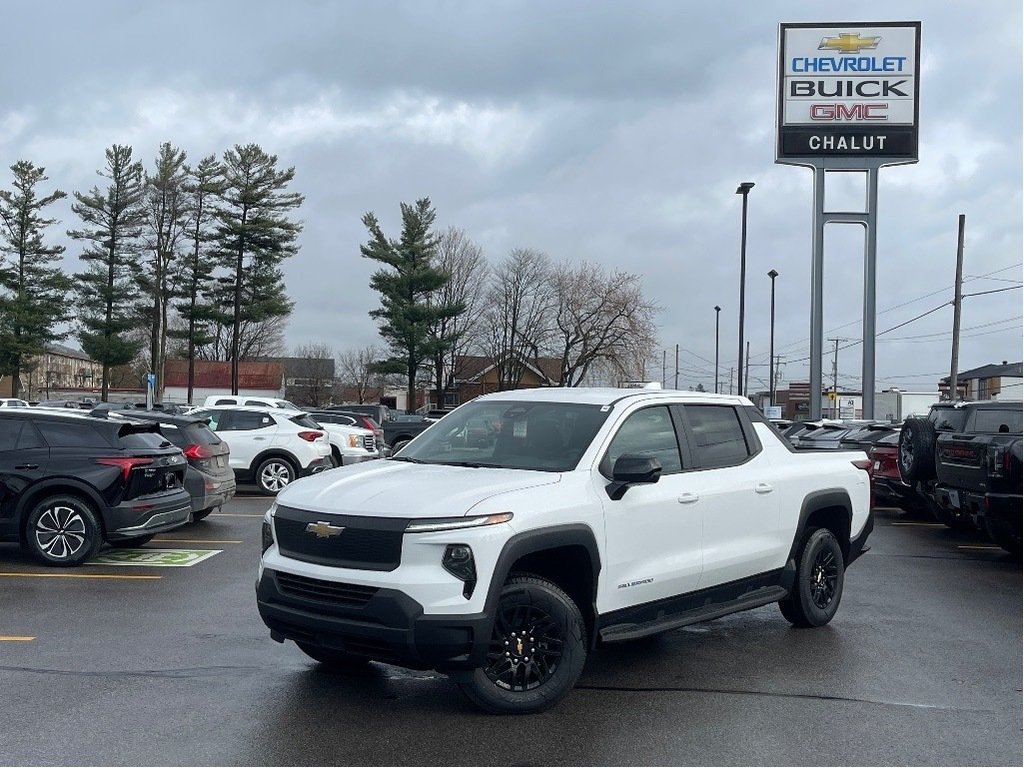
(410, 459)
(473, 464)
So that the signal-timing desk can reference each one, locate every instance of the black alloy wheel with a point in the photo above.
(824, 578)
(818, 588)
(537, 650)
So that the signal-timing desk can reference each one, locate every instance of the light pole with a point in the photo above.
(771, 344)
(718, 311)
(742, 189)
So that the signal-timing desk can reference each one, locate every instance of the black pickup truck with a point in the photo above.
(966, 459)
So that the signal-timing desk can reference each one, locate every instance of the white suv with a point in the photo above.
(349, 444)
(251, 400)
(270, 446)
(508, 540)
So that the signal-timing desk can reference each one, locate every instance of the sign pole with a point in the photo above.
(870, 243)
(817, 291)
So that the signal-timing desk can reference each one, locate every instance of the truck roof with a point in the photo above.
(609, 395)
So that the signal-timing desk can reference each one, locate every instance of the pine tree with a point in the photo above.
(410, 306)
(108, 290)
(33, 289)
(166, 207)
(194, 279)
(254, 237)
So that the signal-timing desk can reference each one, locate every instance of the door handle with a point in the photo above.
(259, 438)
(26, 466)
(688, 498)
(764, 488)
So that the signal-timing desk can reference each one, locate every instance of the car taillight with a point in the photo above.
(311, 436)
(197, 451)
(126, 465)
(864, 464)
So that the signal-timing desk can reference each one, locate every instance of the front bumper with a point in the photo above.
(142, 517)
(376, 623)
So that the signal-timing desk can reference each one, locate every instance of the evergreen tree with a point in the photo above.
(254, 237)
(33, 288)
(107, 289)
(194, 279)
(410, 304)
(166, 207)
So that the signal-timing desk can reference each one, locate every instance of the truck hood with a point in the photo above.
(401, 489)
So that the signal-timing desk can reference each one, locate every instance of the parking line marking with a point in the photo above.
(195, 541)
(15, 639)
(978, 546)
(30, 574)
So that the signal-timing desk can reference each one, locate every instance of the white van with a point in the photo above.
(264, 402)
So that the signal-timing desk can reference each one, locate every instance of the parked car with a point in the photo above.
(350, 444)
(209, 478)
(378, 412)
(269, 446)
(253, 400)
(588, 515)
(58, 404)
(887, 486)
(13, 402)
(397, 429)
(864, 434)
(357, 420)
(69, 482)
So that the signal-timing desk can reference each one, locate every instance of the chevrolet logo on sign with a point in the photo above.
(848, 42)
(324, 530)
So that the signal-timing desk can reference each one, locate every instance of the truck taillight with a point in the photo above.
(311, 436)
(126, 464)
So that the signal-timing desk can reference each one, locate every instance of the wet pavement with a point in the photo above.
(148, 665)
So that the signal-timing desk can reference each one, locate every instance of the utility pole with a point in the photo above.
(731, 369)
(746, 373)
(677, 368)
(835, 377)
(957, 301)
(664, 356)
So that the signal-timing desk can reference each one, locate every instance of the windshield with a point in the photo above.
(550, 437)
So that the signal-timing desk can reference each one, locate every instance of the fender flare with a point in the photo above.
(53, 486)
(829, 497)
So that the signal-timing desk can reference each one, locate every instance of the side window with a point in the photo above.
(998, 420)
(63, 435)
(716, 435)
(248, 420)
(9, 431)
(257, 403)
(647, 432)
(225, 401)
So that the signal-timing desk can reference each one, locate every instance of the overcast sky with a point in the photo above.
(611, 132)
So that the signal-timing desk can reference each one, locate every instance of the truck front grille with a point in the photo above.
(342, 541)
(335, 593)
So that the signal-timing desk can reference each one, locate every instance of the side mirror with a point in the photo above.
(631, 469)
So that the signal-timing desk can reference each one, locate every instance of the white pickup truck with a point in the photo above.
(527, 528)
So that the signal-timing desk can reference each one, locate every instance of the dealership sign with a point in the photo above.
(848, 90)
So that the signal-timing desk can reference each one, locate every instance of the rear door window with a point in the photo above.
(246, 421)
(10, 429)
(716, 435)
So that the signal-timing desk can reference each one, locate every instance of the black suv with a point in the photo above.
(69, 482)
(209, 479)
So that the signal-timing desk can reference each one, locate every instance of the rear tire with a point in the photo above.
(273, 474)
(537, 651)
(818, 589)
(62, 531)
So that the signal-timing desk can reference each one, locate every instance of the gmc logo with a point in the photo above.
(839, 112)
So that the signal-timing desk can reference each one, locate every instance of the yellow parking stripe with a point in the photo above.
(195, 541)
(15, 639)
(30, 574)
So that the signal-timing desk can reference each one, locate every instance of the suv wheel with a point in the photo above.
(62, 530)
(819, 581)
(273, 474)
(537, 650)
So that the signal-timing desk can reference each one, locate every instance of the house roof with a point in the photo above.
(60, 349)
(214, 374)
(472, 367)
(992, 370)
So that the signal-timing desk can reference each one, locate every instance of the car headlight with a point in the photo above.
(432, 524)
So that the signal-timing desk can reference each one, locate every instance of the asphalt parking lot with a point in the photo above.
(118, 664)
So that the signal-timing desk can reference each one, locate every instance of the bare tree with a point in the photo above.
(256, 338)
(313, 374)
(517, 313)
(600, 317)
(454, 335)
(357, 368)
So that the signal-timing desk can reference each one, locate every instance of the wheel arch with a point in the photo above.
(274, 453)
(566, 555)
(59, 486)
(830, 508)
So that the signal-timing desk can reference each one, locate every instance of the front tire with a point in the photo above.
(62, 531)
(818, 589)
(537, 651)
(273, 474)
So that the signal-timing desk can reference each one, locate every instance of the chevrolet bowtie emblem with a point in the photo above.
(324, 530)
(848, 42)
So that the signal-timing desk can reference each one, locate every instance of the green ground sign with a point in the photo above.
(159, 558)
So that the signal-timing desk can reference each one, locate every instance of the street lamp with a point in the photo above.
(742, 189)
(771, 344)
(718, 311)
